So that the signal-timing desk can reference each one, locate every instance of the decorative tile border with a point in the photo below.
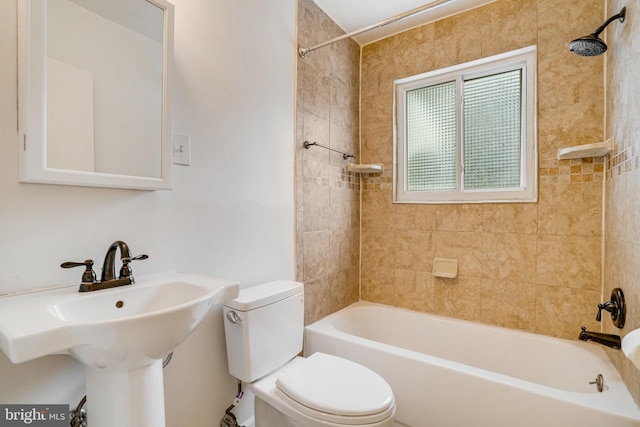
(337, 177)
(383, 181)
(344, 179)
(550, 171)
(590, 169)
(623, 159)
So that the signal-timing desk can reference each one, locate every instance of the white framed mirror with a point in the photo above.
(94, 92)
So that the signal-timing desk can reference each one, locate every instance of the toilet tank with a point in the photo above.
(263, 328)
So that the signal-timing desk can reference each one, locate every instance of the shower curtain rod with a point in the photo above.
(303, 51)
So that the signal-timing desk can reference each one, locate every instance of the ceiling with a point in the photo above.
(353, 15)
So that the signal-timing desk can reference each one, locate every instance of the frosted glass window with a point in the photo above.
(431, 138)
(492, 137)
(467, 133)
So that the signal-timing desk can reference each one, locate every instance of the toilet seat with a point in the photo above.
(337, 390)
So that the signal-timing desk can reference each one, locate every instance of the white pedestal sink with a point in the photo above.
(120, 334)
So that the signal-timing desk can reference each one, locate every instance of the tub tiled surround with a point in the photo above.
(534, 266)
(328, 202)
(622, 207)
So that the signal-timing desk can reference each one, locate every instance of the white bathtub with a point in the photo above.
(452, 373)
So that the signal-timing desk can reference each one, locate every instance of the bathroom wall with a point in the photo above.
(622, 208)
(327, 208)
(529, 266)
(230, 214)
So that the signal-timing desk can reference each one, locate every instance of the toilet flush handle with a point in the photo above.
(233, 317)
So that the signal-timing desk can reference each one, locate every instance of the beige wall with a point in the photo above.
(532, 266)
(622, 225)
(328, 213)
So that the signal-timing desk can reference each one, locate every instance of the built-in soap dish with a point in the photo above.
(445, 268)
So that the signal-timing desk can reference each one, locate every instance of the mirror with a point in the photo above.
(94, 92)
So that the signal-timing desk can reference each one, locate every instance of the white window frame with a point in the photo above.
(524, 59)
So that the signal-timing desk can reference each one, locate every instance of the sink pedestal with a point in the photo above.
(133, 398)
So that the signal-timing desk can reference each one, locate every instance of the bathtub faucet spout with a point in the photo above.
(609, 340)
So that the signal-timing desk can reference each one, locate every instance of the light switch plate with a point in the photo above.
(181, 149)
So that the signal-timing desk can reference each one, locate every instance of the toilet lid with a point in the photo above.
(333, 386)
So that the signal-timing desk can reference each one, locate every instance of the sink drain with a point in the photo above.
(119, 304)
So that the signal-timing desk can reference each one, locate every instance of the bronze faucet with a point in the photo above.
(108, 278)
(609, 340)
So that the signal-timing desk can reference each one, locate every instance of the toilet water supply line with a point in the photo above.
(78, 417)
(230, 420)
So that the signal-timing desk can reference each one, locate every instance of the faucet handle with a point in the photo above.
(605, 306)
(616, 307)
(125, 270)
(88, 276)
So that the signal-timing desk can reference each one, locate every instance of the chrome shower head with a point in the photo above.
(592, 45)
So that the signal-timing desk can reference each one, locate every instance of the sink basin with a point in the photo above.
(120, 334)
(121, 328)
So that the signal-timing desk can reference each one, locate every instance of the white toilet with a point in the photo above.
(264, 329)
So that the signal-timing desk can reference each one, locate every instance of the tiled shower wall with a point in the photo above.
(622, 223)
(327, 199)
(530, 266)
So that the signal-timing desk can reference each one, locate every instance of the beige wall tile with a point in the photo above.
(459, 217)
(509, 304)
(327, 198)
(377, 75)
(316, 252)
(315, 129)
(503, 33)
(618, 208)
(569, 261)
(315, 303)
(377, 248)
(561, 311)
(631, 205)
(566, 126)
(317, 99)
(377, 285)
(414, 250)
(378, 147)
(460, 297)
(414, 217)
(509, 257)
(570, 209)
(414, 53)
(344, 208)
(377, 209)
(316, 207)
(456, 39)
(344, 103)
(413, 290)
(345, 138)
(510, 218)
(345, 253)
